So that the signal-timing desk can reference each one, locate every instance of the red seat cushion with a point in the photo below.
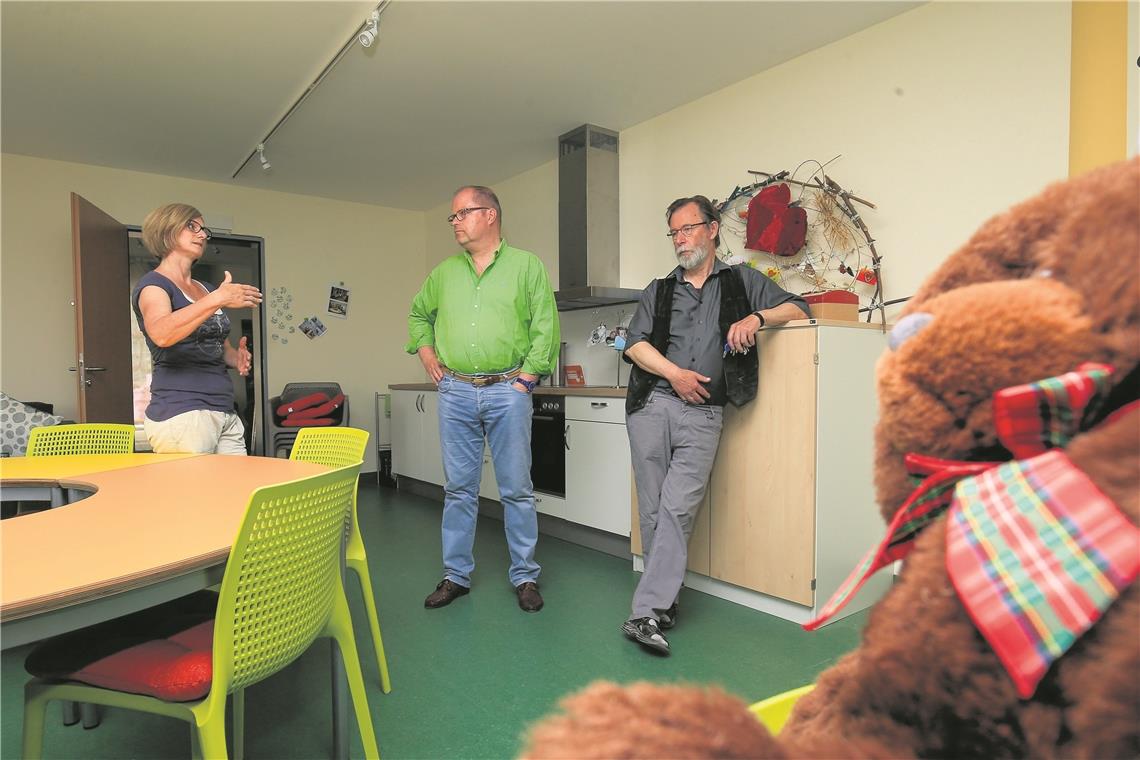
(296, 405)
(163, 652)
(321, 410)
(176, 669)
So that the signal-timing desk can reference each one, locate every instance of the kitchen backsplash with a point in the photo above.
(601, 364)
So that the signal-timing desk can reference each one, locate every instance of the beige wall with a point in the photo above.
(309, 243)
(944, 115)
(530, 217)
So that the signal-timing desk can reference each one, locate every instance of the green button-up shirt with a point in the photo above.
(480, 324)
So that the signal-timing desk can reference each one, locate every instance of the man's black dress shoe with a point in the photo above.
(445, 593)
(529, 598)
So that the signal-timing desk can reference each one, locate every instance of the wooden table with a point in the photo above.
(157, 527)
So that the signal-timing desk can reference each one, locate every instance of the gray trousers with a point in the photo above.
(673, 445)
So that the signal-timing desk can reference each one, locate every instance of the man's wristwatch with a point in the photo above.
(528, 384)
(761, 316)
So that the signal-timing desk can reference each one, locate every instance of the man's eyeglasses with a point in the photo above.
(462, 213)
(194, 227)
(687, 230)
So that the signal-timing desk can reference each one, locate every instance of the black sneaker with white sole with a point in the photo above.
(646, 632)
(668, 618)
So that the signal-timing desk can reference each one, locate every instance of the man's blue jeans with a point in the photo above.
(501, 413)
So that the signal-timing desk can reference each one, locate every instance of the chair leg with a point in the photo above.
(212, 736)
(373, 621)
(70, 712)
(90, 714)
(34, 706)
(342, 633)
(239, 724)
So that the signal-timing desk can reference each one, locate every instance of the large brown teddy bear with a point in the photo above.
(957, 660)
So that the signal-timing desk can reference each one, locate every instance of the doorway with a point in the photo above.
(243, 257)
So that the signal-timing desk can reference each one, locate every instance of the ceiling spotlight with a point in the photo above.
(368, 36)
(265, 165)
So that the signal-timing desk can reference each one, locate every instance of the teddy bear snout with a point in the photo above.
(907, 327)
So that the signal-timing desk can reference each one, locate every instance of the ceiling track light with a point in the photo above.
(366, 35)
(372, 30)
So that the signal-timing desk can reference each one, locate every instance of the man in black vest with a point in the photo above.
(691, 342)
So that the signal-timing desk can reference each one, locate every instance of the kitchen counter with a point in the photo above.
(598, 391)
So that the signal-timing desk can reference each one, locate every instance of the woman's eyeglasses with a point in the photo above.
(194, 227)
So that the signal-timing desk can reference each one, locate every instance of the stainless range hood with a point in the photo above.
(588, 261)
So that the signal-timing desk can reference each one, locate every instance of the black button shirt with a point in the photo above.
(695, 339)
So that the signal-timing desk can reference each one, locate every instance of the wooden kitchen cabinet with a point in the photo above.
(790, 507)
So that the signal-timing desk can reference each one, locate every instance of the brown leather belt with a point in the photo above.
(480, 380)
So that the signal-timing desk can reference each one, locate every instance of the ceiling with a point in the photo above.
(453, 92)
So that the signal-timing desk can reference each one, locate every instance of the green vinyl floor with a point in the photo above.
(468, 678)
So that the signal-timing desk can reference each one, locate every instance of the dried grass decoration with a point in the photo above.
(834, 252)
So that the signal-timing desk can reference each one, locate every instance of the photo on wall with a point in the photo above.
(313, 327)
(338, 300)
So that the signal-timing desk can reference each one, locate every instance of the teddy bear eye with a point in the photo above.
(907, 327)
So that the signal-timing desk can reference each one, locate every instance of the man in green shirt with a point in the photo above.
(485, 327)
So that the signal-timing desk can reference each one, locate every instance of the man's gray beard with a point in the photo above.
(693, 259)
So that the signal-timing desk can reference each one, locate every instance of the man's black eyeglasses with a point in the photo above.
(462, 213)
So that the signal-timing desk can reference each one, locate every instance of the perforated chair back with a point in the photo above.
(337, 447)
(774, 711)
(282, 577)
(83, 438)
(331, 446)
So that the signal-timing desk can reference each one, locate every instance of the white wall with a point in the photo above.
(309, 242)
(944, 116)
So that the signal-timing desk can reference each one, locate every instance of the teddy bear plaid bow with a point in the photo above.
(1035, 551)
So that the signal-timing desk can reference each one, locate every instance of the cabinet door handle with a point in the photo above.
(419, 402)
(599, 404)
(566, 437)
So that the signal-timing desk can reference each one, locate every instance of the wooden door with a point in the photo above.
(102, 314)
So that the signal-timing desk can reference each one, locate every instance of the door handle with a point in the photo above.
(599, 404)
(566, 437)
(96, 369)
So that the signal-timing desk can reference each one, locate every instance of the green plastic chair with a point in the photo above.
(282, 590)
(773, 712)
(337, 447)
(83, 438)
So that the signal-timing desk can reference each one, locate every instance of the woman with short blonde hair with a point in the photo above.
(191, 407)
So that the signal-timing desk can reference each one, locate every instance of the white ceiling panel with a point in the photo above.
(452, 92)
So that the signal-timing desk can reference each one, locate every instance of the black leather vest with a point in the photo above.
(741, 371)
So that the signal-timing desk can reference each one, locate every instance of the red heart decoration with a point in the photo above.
(773, 224)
